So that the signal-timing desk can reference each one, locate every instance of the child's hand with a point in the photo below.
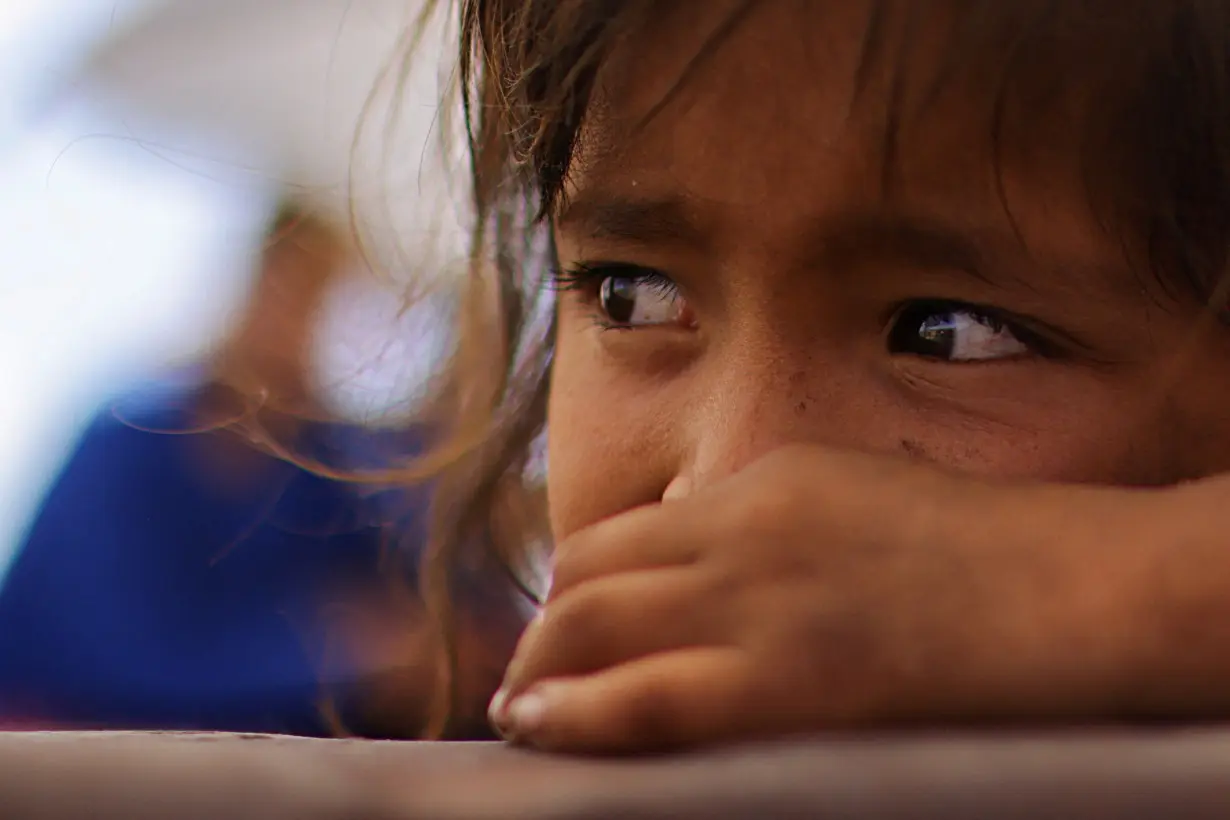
(820, 590)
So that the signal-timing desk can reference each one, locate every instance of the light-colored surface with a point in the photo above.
(111, 267)
(1074, 776)
(42, 43)
(131, 206)
(299, 81)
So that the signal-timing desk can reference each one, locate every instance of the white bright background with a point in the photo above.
(143, 144)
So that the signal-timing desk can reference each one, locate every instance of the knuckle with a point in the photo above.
(652, 711)
(778, 490)
(577, 619)
(566, 562)
(768, 543)
(790, 460)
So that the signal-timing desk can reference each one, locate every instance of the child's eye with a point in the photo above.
(957, 332)
(638, 302)
(628, 296)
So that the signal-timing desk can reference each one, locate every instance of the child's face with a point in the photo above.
(772, 288)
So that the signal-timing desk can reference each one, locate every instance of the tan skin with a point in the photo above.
(781, 508)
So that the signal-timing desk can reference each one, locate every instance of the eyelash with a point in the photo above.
(1039, 343)
(587, 277)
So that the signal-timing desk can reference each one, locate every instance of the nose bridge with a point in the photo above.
(762, 397)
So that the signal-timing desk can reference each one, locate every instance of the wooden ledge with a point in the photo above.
(1109, 774)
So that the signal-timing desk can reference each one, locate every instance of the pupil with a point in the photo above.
(925, 330)
(619, 299)
(937, 335)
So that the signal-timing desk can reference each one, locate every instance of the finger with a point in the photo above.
(612, 620)
(643, 538)
(666, 701)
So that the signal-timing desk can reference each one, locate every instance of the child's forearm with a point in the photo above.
(1191, 596)
(1156, 602)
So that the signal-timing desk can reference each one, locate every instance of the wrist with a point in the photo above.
(1144, 612)
(1181, 610)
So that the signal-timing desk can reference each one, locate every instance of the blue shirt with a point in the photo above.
(152, 592)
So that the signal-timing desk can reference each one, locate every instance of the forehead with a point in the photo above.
(784, 106)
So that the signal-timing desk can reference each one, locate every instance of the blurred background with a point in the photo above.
(177, 181)
(143, 146)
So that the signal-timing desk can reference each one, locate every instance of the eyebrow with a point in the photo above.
(667, 220)
(845, 240)
(894, 236)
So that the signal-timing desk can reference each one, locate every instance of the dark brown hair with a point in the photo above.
(1140, 89)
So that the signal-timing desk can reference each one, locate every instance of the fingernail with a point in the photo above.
(497, 715)
(525, 714)
(680, 487)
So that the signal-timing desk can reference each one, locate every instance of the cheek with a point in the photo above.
(1195, 421)
(609, 437)
(1072, 456)
(1091, 442)
(1133, 436)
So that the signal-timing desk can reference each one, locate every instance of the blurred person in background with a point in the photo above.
(177, 573)
(182, 575)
